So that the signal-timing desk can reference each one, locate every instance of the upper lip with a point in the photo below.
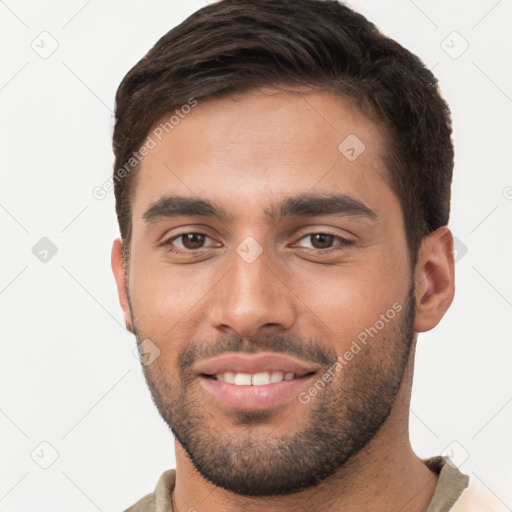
(254, 363)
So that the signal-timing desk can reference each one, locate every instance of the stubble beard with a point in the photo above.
(336, 424)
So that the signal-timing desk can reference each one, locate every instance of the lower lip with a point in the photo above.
(253, 398)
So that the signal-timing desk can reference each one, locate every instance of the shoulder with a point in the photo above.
(146, 504)
(479, 498)
(160, 499)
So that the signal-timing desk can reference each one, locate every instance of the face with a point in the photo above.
(269, 268)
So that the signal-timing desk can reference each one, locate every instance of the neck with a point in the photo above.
(386, 475)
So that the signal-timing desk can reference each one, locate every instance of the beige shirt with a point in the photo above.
(450, 485)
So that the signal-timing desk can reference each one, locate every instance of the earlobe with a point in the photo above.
(434, 279)
(120, 277)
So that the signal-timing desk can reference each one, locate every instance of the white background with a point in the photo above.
(68, 374)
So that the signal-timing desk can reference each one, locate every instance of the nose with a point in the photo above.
(252, 296)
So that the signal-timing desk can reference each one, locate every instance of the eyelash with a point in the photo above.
(346, 242)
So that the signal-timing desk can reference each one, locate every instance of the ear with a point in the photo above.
(120, 277)
(434, 279)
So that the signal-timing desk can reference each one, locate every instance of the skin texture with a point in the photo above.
(244, 152)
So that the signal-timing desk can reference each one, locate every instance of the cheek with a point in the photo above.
(168, 291)
(349, 299)
(168, 303)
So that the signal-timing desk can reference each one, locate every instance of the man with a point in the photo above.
(282, 182)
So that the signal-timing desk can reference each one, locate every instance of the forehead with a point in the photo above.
(245, 150)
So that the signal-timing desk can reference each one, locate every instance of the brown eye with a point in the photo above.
(189, 243)
(192, 240)
(321, 240)
(323, 243)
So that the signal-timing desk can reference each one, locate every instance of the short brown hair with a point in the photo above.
(238, 45)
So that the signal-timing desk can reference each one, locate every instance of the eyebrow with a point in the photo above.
(306, 205)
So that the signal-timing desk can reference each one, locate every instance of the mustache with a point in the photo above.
(302, 348)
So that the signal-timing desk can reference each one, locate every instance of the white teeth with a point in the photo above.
(257, 379)
(276, 377)
(260, 379)
(229, 377)
(243, 379)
